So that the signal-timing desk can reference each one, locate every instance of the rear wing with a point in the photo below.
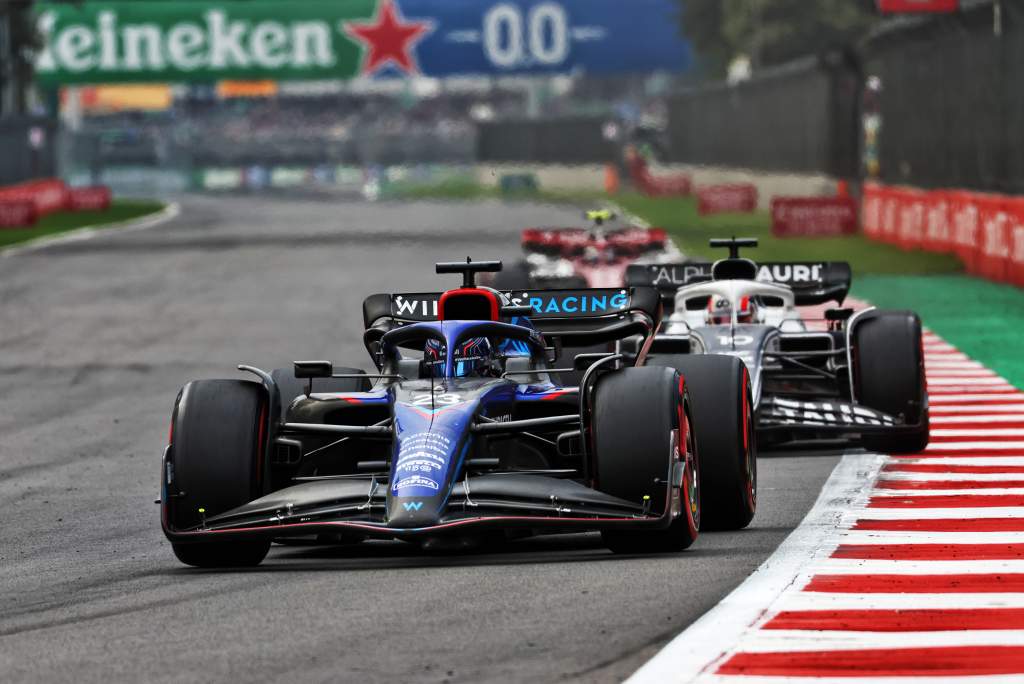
(583, 316)
(812, 282)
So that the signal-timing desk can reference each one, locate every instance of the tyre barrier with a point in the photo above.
(726, 198)
(23, 204)
(984, 230)
(676, 185)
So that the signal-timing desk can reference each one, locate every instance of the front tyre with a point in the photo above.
(723, 410)
(216, 457)
(888, 375)
(640, 432)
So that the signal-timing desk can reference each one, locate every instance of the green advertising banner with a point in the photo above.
(187, 40)
(112, 41)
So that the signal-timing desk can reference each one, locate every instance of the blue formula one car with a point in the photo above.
(464, 432)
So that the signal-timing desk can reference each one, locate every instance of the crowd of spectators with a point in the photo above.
(302, 130)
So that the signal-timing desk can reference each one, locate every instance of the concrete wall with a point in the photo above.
(588, 177)
(768, 184)
(592, 177)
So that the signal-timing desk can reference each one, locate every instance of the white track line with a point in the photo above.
(905, 493)
(873, 537)
(846, 566)
(993, 460)
(976, 446)
(169, 212)
(972, 398)
(748, 679)
(953, 420)
(954, 364)
(807, 600)
(963, 396)
(975, 409)
(910, 476)
(773, 640)
(965, 388)
(977, 432)
(959, 374)
(969, 380)
(940, 513)
(720, 629)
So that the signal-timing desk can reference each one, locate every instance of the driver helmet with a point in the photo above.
(720, 311)
(472, 358)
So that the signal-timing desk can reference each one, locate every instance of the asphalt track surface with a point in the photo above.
(96, 337)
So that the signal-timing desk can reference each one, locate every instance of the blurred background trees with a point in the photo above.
(18, 42)
(768, 32)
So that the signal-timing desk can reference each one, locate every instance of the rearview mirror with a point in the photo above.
(585, 361)
(313, 369)
(513, 311)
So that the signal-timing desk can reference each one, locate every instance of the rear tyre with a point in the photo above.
(573, 283)
(723, 410)
(639, 427)
(292, 387)
(888, 372)
(216, 454)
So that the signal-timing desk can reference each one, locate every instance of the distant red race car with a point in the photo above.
(585, 257)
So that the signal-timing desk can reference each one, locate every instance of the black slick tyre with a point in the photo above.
(722, 405)
(216, 457)
(573, 283)
(639, 435)
(513, 278)
(888, 375)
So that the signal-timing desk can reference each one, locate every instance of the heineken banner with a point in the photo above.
(193, 40)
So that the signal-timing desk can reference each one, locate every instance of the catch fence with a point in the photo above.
(800, 118)
(950, 99)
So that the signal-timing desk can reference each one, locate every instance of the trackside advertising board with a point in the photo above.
(733, 197)
(986, 231)
(188, 41)
(813, 216)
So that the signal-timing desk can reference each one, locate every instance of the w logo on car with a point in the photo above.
(412, 505)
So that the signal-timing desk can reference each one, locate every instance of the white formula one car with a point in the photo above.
(859, 381)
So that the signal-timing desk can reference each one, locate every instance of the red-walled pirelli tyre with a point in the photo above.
(216, 457)
(723, 413)
(888, 375)
(640, 432)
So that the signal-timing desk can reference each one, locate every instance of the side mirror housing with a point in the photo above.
(313, 369)
(584, 361)
(513, 311)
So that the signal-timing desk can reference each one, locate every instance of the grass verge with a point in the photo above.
(65, 221)
(691, 231)
(445, 190)
(982, 319)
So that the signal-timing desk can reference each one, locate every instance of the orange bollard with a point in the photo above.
(611, 179)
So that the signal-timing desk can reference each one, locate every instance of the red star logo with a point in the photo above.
(389, 39)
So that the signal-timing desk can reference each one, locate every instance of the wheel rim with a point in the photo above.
(691, 474)
(749, 452)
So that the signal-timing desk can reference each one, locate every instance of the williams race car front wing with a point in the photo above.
(494, 501)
